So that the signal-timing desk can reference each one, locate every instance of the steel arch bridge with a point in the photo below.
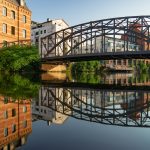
(115, 38)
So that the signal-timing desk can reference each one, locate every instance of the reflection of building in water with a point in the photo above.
(15, 122)
(44, 108)
(118, 78)
(91, 105)
(126, 79)
(137, 104)
(128, 101)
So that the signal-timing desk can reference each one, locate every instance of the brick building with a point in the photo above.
(15, 21)
(137, 39)
(15, 122)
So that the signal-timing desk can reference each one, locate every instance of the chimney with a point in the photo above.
(22, 2)
(48, 19)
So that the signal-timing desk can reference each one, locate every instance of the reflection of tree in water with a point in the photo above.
(17, 86)
(84, 77)
(114, 78)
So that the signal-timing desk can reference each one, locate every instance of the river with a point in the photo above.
(84, 112)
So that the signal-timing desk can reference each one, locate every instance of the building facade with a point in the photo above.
(15, 21)
(46, 28)
(40, 30)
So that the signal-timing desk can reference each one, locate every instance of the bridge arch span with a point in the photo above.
(122, 37)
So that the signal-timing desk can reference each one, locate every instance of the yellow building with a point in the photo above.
(15, 21)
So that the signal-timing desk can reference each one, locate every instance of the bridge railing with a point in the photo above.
(109, 35)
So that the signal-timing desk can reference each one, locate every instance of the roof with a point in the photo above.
(51, 20)
(17, 2)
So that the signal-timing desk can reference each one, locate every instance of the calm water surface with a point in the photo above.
(111, 114)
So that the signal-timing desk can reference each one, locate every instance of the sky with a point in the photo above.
(80, 11)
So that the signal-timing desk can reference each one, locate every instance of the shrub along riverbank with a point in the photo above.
(86, 66)
(19, 59)
(98, 67)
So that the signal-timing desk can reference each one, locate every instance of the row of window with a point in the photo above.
(24, 124)
(13, 30)
(13, 14)
(14, 112)
(41, 32)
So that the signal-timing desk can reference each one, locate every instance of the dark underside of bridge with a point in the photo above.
(99, 56)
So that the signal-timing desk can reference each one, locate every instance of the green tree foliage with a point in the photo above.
(86, 66)
(85, 77)
(16, 58)
(143, 68)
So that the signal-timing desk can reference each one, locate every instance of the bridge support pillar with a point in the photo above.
(54, 67)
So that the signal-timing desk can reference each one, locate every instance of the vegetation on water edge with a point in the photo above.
(99, 67)
(142, 67)
(19, 58)
(18, 87)
(86, 66)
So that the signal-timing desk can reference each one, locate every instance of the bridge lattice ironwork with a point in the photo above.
(115, 38)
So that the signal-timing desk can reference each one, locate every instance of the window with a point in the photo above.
(13, 14)
(4, 11)
(24, 19)
(25, 123)
(12, 30)
(5, 114)
(44, 31)
(4, 28)
(24, 109)
(41, 32)
(13, 112)
(24, 33)
(5, 45)
(37, 40)
(13, 128)
(37, 33)
(5, 132)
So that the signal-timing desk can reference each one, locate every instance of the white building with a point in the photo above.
(39, 30)
(44, 29)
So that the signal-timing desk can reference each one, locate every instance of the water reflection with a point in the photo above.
(15, 122)
(113, 107)
(123, 79)
(125, 101)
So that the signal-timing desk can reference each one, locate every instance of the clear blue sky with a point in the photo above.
(80, 11)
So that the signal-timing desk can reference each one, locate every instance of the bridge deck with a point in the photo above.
(100, 56)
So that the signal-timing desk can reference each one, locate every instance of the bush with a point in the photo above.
(15, 58)
(86, 66)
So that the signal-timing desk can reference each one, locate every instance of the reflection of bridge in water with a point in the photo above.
(113, 107)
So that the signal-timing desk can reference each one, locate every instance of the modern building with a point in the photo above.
(15, 22)
(15, 122)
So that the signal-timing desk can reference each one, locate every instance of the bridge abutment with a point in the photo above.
(54, 67)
